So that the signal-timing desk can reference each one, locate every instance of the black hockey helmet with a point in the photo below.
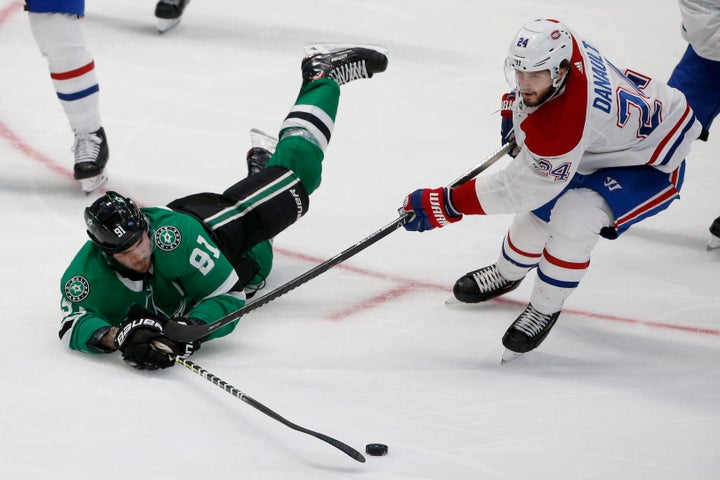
(114, 223)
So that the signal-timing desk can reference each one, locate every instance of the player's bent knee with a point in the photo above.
(579, 214)
(302, 157)
(275, 196)
(58, 36)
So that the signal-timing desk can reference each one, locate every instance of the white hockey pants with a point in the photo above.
(560, 248)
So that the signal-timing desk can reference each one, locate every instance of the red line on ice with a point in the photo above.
(9, 10)
(411, 286)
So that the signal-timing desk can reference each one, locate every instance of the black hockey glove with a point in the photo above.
(143, 343)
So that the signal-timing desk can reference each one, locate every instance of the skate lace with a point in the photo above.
(531, 321)
(489, 279)
(86, 147)
(349, 72)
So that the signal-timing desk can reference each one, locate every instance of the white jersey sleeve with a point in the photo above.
(701, 26)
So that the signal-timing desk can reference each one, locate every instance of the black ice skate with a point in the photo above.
(714, 235)
(263, 147)
(343, 63)
(527, 332)
(91, 156)
(483, 284)
(169, 13)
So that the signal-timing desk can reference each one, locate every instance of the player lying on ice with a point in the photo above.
(194, 259)
(598, 150)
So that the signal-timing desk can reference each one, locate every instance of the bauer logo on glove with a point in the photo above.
(143, 344)
(132, 325)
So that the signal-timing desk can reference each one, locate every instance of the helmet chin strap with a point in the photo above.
(559, 81)
(557, 85)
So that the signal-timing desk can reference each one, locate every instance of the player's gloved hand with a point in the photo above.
(143, 343)
(506, 117)
(507, 132)
(430, 208)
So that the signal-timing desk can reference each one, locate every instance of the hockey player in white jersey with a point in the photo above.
(599, 148)
(697, 74)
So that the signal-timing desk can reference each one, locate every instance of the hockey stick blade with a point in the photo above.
(195, 368)
(191, 333)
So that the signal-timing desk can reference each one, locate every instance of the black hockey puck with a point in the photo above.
(376, 449)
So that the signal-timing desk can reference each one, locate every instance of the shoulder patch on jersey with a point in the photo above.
(167, 238)
(77, 288)
(556, 127)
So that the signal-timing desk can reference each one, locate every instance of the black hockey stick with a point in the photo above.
(348, 450)
(191, 333)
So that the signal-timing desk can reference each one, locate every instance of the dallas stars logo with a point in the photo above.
(77, 288)
(167, 238)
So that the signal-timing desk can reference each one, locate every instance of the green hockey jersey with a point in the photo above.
(189, 277)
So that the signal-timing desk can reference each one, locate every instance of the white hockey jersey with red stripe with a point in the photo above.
(603, 117)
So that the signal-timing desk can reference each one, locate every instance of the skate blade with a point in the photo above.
(165, 24)
(713, 243)
(91, 184)
(509, 356)
(454, 302)
(258, 138)
(324, 48)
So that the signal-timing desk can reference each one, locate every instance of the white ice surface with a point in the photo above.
(627, 386)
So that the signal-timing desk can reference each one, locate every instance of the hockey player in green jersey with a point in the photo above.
(192, 260)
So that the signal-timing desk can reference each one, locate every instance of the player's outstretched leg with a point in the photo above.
(169, 13)
(306, 131)
(483, 284)
(91, 156)
(529, 330)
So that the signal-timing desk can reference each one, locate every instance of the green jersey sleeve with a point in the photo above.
(93, 296)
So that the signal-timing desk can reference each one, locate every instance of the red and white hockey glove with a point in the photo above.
(430, 208)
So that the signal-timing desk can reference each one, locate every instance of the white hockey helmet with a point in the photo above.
(539, 45)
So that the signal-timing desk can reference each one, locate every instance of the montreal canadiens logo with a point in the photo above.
(167, 238)
(77, 288)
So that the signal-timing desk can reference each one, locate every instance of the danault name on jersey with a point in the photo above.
(603, 92)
